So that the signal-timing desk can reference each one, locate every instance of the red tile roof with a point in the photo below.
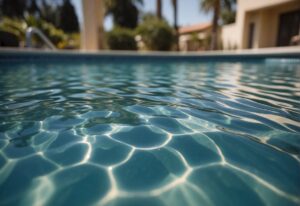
(194, 28)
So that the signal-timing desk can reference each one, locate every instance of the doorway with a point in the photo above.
(289, 26)
(251, 35)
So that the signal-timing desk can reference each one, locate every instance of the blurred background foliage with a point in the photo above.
(120, 38)
(125, 13)
(152, 32)
(132, 29)
(57, 20)
(156, 33)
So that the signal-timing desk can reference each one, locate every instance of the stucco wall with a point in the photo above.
(185, 39)
(266, 22)
(230, 36)
(248, 5)
(265, 15)
(92, 30)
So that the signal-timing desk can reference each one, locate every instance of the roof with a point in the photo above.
(194, 28)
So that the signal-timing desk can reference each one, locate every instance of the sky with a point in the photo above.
(189, 12)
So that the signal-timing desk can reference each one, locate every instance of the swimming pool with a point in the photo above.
(81, 130)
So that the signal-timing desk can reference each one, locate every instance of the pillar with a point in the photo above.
(92, 34)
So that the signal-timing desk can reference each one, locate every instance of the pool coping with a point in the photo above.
(34, 54)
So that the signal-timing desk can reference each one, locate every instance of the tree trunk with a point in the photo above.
(158, 9)
(174, 2)
(214, 32)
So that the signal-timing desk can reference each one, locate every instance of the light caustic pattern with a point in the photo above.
(150, 133)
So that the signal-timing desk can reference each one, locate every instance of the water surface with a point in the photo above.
(160, 133)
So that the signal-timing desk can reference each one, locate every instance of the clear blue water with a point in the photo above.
(160, 133)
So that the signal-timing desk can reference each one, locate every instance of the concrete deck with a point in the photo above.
(282, 52)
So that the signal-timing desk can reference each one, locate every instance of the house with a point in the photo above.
(194, 37)
(263, 23)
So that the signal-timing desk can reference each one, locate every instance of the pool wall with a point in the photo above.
(239, 55)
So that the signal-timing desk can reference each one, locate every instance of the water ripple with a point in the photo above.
(150, 133)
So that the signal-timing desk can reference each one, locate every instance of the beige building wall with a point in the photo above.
(186, 42)
(92, 33)
(264, 14)
(230, 36)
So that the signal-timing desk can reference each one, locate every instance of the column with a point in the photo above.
(92, 33)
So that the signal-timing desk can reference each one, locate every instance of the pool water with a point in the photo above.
(150, 133)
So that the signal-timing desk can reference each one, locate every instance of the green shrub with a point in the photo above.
(55, 35)
(14, 26)
(8, 39)
(58, 37)
(121, 39)
(228, 17)
(156, 34)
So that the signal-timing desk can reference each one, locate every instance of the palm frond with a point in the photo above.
(207, 5)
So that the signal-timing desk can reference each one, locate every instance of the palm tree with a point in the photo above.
(14, 8)
(125, 12)
(50, 12)
(68, 18)
(174, 3)
(218, 7)
(33, 8)
(213, 5)
(158, 9)
(228, 11)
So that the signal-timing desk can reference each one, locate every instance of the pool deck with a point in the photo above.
(37, 54)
